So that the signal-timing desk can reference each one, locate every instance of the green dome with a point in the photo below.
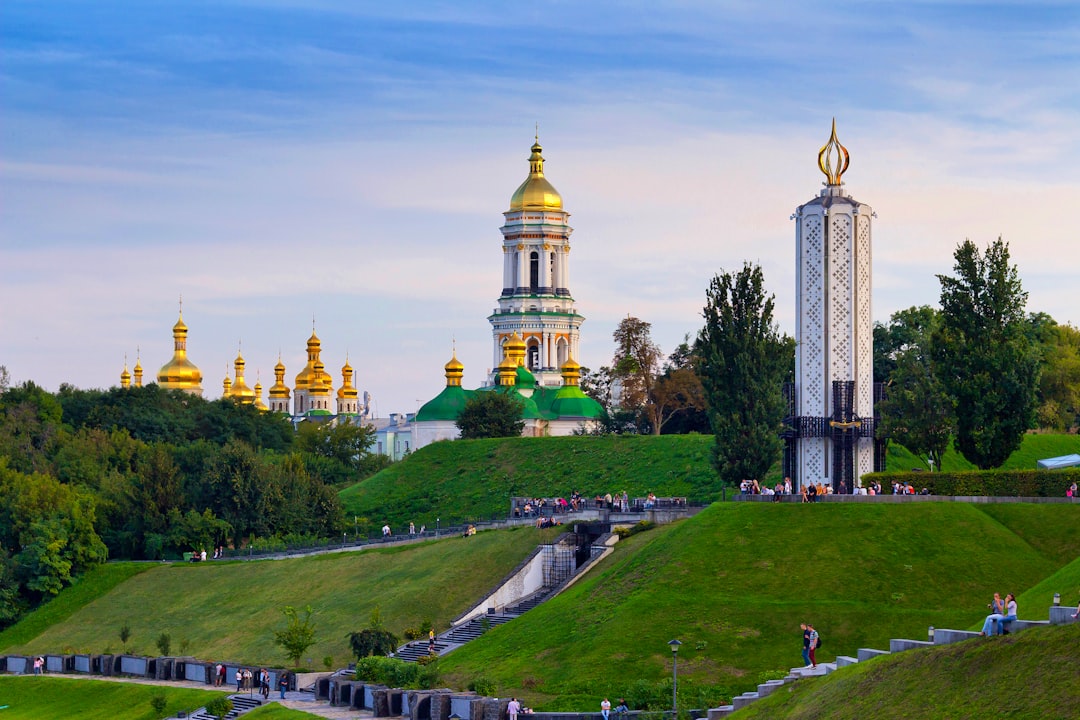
(447, 405)
(571, 401)
(525, 379)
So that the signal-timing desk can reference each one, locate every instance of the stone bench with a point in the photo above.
(845, 660)
(1062, 615)
(865, 654)
(900, 645)
(1017, 625)
(943, 636)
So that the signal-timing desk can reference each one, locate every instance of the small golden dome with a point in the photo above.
(240, 391)
(454, 371)
(259, 404)
(536, 193)
(571, 372)
(125, 377)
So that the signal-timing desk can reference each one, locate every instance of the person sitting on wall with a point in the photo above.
(470, 531)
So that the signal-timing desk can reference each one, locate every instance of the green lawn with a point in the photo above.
(473, 479)
(55, 698)
(229, 610)
(734, 582)
(1032, 674)
(87, 588)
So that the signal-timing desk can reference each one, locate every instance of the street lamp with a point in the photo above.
(674, 677)
(1057, 599)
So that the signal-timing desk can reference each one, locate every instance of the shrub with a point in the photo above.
(991, 483)
(164, 643)
(158, 703)
(219, 707)
(482, 686)
(397, 673)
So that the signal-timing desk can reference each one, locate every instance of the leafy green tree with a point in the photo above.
(635, 369)
(372, 640)
(219, 707)
(1058, 403)
(917, 412)
(744, 361)
(680, 392)
(906, 329)
(983, 354)
(491, 414)
(298, 635)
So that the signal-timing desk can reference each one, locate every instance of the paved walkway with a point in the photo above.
(294, 700)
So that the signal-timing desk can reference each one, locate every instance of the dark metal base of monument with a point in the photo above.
(844, 427)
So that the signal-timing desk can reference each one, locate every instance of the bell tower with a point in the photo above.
(535, 301)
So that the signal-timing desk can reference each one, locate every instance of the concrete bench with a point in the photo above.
(943, 636)
(1062, 615)
(845, 660)
(865, 654)
(1017, 625)
(900, 645)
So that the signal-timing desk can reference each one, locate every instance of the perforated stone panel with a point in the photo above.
(864, 386)
(812, 323)
(841, 352)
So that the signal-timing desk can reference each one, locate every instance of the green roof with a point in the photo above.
(571, 401)
(525, 379)
(447, 405)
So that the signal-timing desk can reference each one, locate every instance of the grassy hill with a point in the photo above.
(734, 582)
(229, 610)
(474, 479)
(1028, 675)
(40, 698)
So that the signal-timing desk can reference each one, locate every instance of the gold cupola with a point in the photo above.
(259, 404)
(571, 372)
(241, 393)
(279, 390)
(536, 193)
(307, 377)
(347, 390)
(226, 384)
(515, 350)
(125, 377)
(454, 371)
(180, 373)
(138, 371)
(507, 369)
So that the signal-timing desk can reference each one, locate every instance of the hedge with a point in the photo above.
(995, 483)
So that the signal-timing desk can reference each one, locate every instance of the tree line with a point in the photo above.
(977, 371)
(148, 473)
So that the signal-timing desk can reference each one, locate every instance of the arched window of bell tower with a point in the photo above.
(534, 271)
(562, 351)
(534, 356)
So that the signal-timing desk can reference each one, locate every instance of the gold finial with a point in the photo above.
(181, 304)
(825, 158)
(537, 135)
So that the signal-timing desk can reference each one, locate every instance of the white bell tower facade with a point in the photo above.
(535, 301)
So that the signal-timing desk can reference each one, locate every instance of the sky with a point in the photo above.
(348, 163)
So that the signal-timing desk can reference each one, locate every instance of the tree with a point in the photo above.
(983, 354)
(679, 393)
(374, 639)
(744, 362)
(635, 369)
(298, 635)
(345, 442)
(906, 329)
(1058, 403)
(491, 414)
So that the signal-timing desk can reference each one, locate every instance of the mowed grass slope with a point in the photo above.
(229, 610)
(53, 698)
(474, 479)
(734, 582)
(1029, 675)
(466, 479)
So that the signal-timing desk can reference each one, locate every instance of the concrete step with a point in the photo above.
(865, 654)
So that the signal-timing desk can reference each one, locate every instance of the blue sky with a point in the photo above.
(275, 161)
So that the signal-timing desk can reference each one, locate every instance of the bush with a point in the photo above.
(164, 643)
(219, 707)
(988, 483)
(158, 703)
(397, 673)
(640, 526)
(482, 686)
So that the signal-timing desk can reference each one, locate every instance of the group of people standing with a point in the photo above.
(1001, 612)
(811, 641)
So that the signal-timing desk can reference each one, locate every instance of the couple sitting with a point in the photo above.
(1001, 612)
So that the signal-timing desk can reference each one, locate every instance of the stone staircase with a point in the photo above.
(458, 635)
(1058, 616)
(241, 705)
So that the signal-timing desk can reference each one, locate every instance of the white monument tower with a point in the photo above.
(830, 434)
(535, 301)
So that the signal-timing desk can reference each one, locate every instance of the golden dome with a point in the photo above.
(307, 377)
(571, 371)
(507, 371)
(259, 404)
(138, 372)
(347, 391)
(536, 193)
(240, 391)
(279, 390)
(454, 371)
(180, 373)
(125, 377)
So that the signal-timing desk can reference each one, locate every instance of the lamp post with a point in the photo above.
(437, 535)
(674, 678)
(1057, 599)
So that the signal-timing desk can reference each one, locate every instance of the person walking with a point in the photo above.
(513, 708)
(605, 708)
(264, 682)
(805, 645)
(814, 640)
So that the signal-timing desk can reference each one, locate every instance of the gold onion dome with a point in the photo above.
(138, 372)
(180, 373)
(307, 377)
(125, 377)
(536, 193)
(259, 404)
(240, 391)
(279, 389)
(515, 349)
(571, 371)
(454, 371)
(825, 158)
(347, 390)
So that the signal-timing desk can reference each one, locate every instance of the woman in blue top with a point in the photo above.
(997, 611)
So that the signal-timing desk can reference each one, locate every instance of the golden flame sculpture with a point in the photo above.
(825, 158)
